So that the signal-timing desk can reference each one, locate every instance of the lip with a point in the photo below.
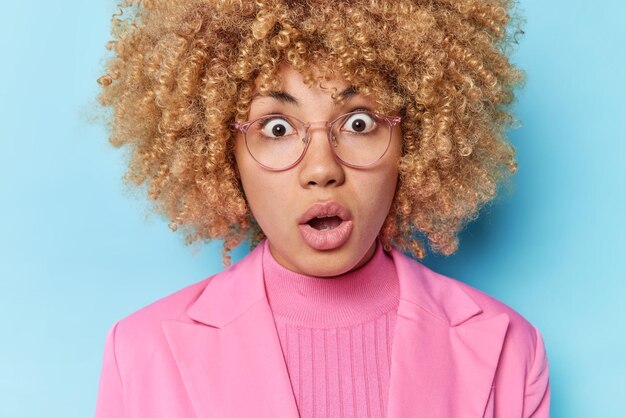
(325, 209)
(327, 239)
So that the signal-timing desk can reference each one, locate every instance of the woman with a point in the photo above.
(328, 134)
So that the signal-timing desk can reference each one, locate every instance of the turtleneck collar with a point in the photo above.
(348, 299)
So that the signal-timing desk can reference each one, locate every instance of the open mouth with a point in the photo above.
(323, 223)
(326, 226)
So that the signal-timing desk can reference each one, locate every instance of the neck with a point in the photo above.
(354, 297)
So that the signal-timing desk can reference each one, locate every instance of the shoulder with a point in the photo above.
(522, 366)
(144, 325)
(212, 295)
(489, 305)
(448, 295)
(521, 334)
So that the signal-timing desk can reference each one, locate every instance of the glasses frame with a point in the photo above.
(391, 120)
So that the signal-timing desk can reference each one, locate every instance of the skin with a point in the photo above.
(278, 199)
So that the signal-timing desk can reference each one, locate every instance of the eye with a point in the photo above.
(359, 123)
(276, 127)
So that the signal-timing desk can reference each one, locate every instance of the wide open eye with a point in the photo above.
(276, 127)
(359, 123)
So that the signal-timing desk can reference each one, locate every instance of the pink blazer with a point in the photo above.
(212, 350)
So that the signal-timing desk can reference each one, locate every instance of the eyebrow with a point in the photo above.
(288, 98)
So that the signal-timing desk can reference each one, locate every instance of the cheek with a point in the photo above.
(247, 169)
(263, 190)
(382, 189)
(255, 191)
(377, 193)
(386, 191)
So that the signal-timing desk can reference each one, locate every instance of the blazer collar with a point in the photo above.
(442, 364)
(432, 292)
(233, 291)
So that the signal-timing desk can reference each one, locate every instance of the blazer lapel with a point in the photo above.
(441, 365)
(231, 361)
(230, 358)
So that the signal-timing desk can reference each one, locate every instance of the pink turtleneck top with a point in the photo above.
(336, 335)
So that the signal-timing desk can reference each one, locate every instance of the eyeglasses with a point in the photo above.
(358, 139)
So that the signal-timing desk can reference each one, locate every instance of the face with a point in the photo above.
(357, 200)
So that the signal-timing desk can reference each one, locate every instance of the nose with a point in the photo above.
(319, 167)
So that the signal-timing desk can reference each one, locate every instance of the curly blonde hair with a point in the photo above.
(182, 71)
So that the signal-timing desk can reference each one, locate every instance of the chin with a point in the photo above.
(322, 263)
(329, 264)
(326, 271)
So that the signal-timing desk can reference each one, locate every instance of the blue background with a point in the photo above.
(77, 252)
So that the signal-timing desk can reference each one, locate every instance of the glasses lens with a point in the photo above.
(275, 141)
(360, 138)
